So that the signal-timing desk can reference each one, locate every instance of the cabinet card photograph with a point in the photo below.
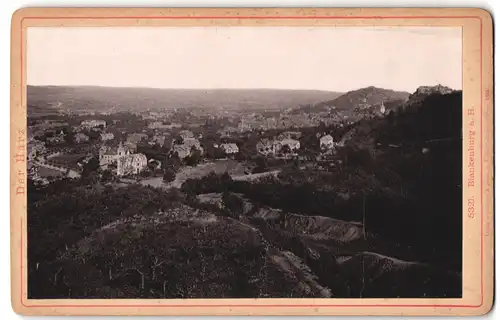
(252, 162)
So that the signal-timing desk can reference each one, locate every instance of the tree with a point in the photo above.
(69, 138)
(179, 140)
(173, 161)
(107, 175)
(169, 175)
(240, 156)
(233, 204)
(153, 165)
(145, 173)
(286, 149)
(194, 158)
(261, 165)
(226, 178)
(219, 153)
(210, 151)
(90, 167)
(356, 157)
(94, 135)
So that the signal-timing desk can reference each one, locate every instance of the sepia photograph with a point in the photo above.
(241, 162)
(251, 162)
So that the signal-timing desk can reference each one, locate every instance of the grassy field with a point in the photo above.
(67, 160)
(232, 167)
(47, 172)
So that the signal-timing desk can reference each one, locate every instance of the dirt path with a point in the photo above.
(294, 266)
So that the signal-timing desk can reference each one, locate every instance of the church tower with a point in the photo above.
(241, 125)
(382, 108)
(121, 150)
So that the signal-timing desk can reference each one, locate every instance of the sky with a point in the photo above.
(319, 58)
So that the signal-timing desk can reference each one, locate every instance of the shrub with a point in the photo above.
(169, 175)
(233, 204)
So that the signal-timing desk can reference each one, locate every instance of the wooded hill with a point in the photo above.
(354, 104)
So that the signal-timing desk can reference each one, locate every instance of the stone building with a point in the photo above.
(131, 164)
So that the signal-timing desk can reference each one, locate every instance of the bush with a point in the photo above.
(193, 159)
(169, 175)
(107, 176)
(356, 157)
(90, 167)
(233, 204)
(210, 183)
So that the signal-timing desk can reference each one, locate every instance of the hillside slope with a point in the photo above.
(163, 248)
(364, 97)
(431, 113)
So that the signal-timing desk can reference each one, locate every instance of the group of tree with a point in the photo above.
(171, 166)
(155, 152)
(194, 157)
(213, 152)
(210, 183)
(91, 167)
(65, 212)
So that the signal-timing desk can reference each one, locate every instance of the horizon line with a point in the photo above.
(226, 88)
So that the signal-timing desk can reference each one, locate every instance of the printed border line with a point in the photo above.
(248, 17)
(277, 18)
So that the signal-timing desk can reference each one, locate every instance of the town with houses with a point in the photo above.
(139, 145)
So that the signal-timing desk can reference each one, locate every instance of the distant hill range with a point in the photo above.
(52, 99)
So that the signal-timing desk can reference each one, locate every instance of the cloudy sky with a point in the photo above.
(326, 58)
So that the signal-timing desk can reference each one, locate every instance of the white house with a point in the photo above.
(192, 142)
(131, 164)
(184, 149)
(172, 126)
(157, 139)
(126, 162)
(186, 134)
(293, 145)
(155, 125)
(290, 135)
(229, 148)
(155, 163)
(265, 147)
(271, 147)
(109, 155)
(35, 148)
(136, 137)
(81, 137)
(326, 142)
(93, 123)
(107, 136)
(58, 138)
